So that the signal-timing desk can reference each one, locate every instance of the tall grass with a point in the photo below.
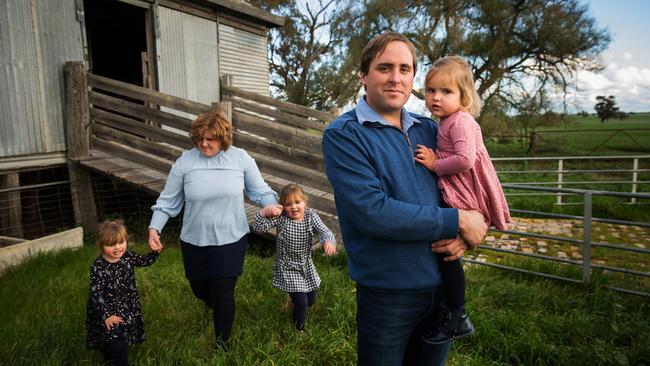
(519, 319)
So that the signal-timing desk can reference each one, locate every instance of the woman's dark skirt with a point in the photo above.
(214, 261)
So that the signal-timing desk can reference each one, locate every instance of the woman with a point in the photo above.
(210, 180)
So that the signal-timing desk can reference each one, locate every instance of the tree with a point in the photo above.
(517, 48)
(606, 108)
(300, 53)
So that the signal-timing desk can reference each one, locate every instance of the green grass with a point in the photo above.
(519, 319)
(634, 139)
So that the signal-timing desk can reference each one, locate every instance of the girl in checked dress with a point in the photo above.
(294, 270)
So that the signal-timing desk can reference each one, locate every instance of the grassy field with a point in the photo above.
(584, 136)
(519, 319)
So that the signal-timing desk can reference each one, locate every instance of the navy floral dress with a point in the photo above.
(113, 292)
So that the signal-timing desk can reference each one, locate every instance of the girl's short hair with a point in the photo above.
(292, 192)
(111, 232)
(459, 72)
(215, 124)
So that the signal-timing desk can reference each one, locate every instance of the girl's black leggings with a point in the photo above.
(301, 301)
(117, 352)
(219, 295)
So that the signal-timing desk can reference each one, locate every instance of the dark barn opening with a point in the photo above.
(117, 37)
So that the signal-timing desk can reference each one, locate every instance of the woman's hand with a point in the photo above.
(425, 156)
(112, 321)
(329, 248)
(271, 210)
(154, 240)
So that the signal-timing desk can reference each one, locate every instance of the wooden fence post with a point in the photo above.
(78, 144)
(11, 213)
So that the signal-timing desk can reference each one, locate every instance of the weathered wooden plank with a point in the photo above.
(285, 135)
(147, 95)
(139, 111)
(288, 154)
(298, 174)
(165, 151)
(129, 153)
(317, 199)
(297, 109)
(278, 116)
(78, 144)
(140, 128)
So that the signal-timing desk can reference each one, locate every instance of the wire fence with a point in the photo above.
(580, 243)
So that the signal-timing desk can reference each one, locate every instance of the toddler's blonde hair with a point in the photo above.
(458, 71)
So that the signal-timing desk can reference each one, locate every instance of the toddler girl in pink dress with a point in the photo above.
(466, 176)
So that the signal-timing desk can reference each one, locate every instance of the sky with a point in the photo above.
(627, 59)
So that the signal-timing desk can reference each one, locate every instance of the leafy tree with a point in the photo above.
(300, 53)
(606, 108)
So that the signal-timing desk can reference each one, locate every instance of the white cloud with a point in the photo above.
(623, 77)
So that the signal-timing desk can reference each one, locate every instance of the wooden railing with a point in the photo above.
(149, 128)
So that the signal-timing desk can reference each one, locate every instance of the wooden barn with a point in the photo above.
(181, 48)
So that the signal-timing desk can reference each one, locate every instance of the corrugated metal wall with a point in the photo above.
(188, 56)
(244, 55)
(37, 37)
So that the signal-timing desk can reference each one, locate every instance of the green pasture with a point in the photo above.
(520, 319)
(582, 136)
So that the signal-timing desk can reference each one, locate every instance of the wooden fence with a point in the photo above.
(135, 134)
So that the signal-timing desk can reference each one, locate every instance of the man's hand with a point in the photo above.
(453, 248)
(472, 227)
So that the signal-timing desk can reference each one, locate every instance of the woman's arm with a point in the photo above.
(256, 188)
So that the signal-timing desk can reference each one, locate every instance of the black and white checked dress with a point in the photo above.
(294, 269)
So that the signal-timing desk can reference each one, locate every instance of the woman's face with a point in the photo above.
(295, 209)
(208, 145)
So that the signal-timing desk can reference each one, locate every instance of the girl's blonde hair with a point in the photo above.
(460, 73)
(111, 232)
(292, 192)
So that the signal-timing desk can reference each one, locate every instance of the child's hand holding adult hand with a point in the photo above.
(271, 211)
(112, 321)
(329, 248)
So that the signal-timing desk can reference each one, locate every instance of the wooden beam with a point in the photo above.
(11, 212)
(139, 111)
(277, 115)
(286, 135)
(131, 154)
(78, 144)
(297, 109)
(147, 95)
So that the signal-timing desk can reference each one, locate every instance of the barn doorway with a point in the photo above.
(119, 38)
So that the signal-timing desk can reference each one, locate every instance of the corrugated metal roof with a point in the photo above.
(37, 37)
(244, 56)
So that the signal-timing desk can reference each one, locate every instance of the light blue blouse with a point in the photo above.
(212, 191)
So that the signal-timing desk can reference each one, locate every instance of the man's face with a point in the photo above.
(390, 79)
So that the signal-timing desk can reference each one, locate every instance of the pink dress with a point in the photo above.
(466, 176)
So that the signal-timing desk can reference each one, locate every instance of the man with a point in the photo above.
(390, 211)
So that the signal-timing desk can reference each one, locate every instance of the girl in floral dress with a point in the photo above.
(114, 315)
